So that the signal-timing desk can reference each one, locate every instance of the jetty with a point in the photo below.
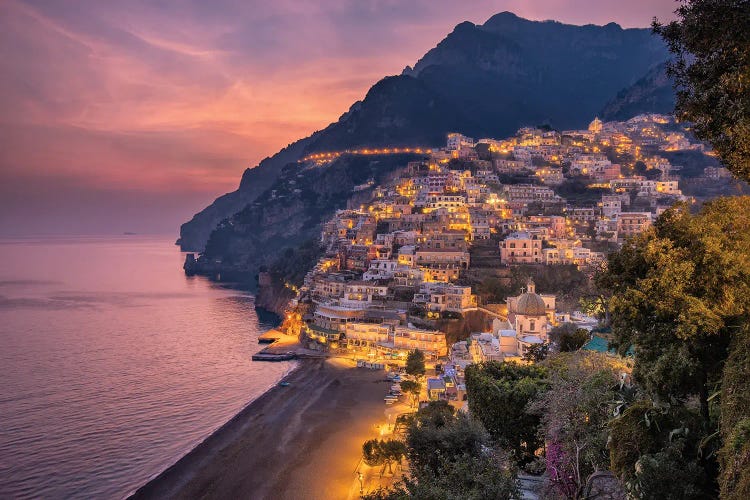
(281, 347)
(271, 336)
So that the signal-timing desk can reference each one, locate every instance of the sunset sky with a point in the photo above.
(133, 115)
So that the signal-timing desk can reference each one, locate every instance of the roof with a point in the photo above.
(532, 339)
(325, 331)
(531, 304)
(435, 384)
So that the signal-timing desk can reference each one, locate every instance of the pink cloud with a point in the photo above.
(181, 96)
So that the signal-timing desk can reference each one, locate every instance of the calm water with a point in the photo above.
(113, 364)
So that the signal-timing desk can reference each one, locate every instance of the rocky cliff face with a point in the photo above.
(483, 80)
(273, 297)
(289, 213)
(651, 94)
(195, 233)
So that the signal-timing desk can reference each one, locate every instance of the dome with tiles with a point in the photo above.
(531, 303)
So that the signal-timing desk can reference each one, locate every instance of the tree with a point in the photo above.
(679, 292)
(575, 415)
(392, 451)
(735, 420)
(536, 353)
(415, 363)
(413, 389)
(451, 457)
(466, 477)
(569, 337)
(498, 396)
(711, 44)
(439, 434)
(668, 474)
(375, 452)
(372, 453)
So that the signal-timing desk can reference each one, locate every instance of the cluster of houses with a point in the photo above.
(393, 266)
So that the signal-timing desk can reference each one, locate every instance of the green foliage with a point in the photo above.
(575, 413)
(631, 438)
(385, 452)
(735, 419)
(498, 396)
(661, 432)
(493, 290)
(536, 353)
(711, 43)
(679, 290)
(415, 363)
(450, 459)
(413, 389)
(371, 452)
(437, 435)
(463, 478)
(569, 337)
(292, 265)
(669, 474)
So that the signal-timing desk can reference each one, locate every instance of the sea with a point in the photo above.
(114, 364)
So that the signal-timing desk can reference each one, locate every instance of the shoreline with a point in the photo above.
(276, 445)
(296, 365)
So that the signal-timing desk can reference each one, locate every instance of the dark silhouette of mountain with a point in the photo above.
(482, 80)
(651, 94)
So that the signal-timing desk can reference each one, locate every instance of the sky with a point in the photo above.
(133, 115)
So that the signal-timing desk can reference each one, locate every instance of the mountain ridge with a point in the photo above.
(484, 80)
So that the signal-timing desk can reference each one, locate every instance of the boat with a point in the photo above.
(284, 384)
(267, 356)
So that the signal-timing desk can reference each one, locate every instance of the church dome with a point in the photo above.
(531, 304)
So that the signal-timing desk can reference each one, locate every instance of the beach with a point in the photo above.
(299, 441)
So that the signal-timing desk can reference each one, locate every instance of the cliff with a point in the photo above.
(651, 94)
(290, 213)
(195, 233)
(273, 297)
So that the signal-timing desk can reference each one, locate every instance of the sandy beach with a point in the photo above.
(297, 442)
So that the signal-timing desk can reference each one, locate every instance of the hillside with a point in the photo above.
(291, 212)
(651, 94)
(482, 80)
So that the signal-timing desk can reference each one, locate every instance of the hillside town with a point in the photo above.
(396, 271)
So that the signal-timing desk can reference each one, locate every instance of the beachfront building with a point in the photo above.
(335, 317)
(368, 335)
(391, 340)
(430, 342)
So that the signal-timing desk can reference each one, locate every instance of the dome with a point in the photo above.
(531, 304)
